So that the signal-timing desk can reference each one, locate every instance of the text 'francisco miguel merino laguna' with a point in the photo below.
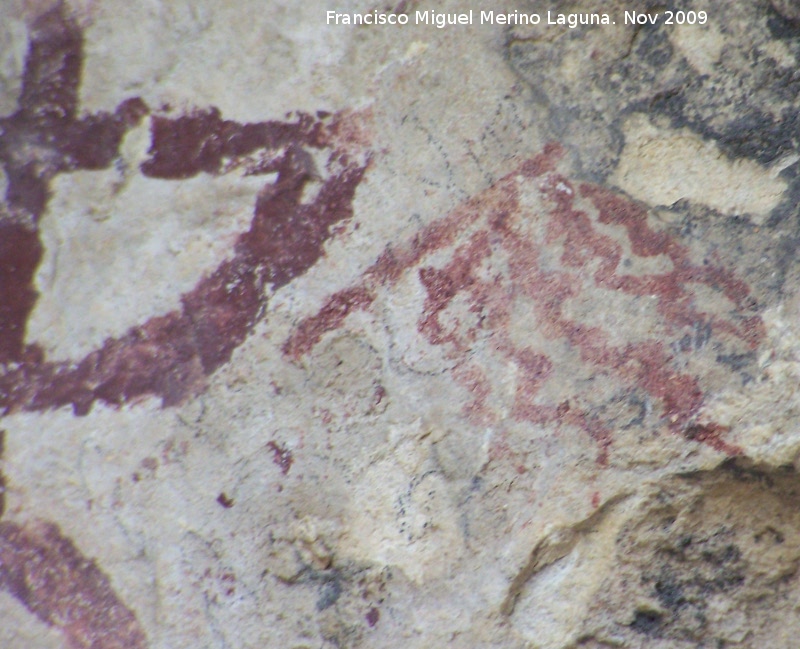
(441, 20)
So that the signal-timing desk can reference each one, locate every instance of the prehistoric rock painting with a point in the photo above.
(557, 306)
(46, 573)
(571, 291)
(168, 356)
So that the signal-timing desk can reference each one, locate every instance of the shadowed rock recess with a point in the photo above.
(480, 335)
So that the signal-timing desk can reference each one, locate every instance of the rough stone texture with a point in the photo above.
(329, 336)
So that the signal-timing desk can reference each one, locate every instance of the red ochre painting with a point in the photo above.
(579, 268)
(168, 356)
(534, 270)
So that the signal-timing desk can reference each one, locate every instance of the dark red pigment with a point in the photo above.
(2, 477)
(201, 142)
(281, 456)
(50, 577)
(645, 366)
(42, 138)
(168, 356)
(373, 615)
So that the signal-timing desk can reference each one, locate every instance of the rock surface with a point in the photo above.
(318, 335)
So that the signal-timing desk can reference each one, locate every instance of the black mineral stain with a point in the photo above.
(746, 103)
(784, 20)
(684, 579)
(669, 593)
(329, 594)
(736, 361)
(647, 623)
(168, 356)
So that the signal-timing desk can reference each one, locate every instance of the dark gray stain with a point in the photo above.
(747, 103)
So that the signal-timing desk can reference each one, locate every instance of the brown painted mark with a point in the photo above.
(47, 574)
(168, 356)
(509, 266)
(281, 456)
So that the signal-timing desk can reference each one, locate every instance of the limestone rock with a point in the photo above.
(399, 335)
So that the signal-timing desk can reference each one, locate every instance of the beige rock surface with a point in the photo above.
(374, 336)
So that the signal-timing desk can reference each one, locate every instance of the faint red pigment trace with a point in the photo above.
(150, 463)
(168, 356)
(48, 575)
(229, 579)
(474, 379)
(173, 452)
(392, 263)
(281, 456)
(330, 317)
(493, 264)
